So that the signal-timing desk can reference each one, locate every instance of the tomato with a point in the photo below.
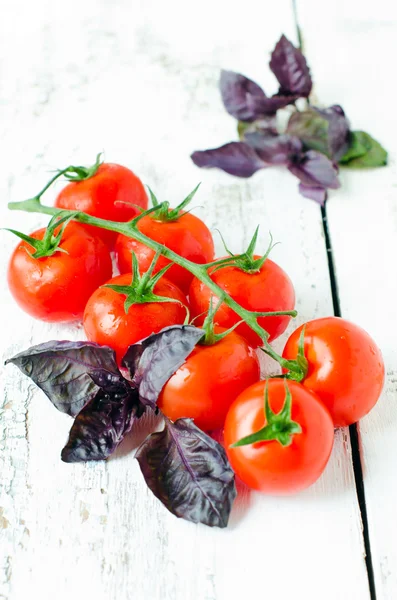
(57, 287)
(268, 289)
(345, 367)
(268, 466)
(107, 323)
(187, 235)
(204, 387)
(109, 194)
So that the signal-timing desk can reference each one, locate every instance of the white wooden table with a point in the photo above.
(138, 79)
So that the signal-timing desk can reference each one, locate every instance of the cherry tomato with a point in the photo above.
(57, 287)
(107, 323)
(109, 194)
(268, 466)
(188, 236)
(268, 289)
(204, 387)
(345, 367)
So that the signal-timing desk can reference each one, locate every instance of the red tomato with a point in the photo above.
(107, 323)
(268, 466)
(204, 387)
(109, 194)
(57, 287)
(269, 289)
(345, 367)
(188, 236)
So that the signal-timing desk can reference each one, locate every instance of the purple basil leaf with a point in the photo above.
(236, 158)
(318, 194)
(152, 361)
(289, 66)
(315, 170)
(189, 473)
(278, 101)
(102, 424)
(274, 150)
(242, 97)
(65, 371)
(246, 101)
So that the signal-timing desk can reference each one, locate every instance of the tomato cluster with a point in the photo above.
(278, 433)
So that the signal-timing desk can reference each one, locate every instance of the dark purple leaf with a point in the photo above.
(65, 371)
(315, 170)
(290, 67)
(277, 101)
(318, 194)
(274, 150)
(325, 130)
(189, 473)
(242, 97)
(236, 158)
(245, 100)
(102, 424)
(152, 361)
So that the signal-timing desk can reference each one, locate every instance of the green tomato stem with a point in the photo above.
(49, 184)
(72, 173)
(34, 205)
(130, 229)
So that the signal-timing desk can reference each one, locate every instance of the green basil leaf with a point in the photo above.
(363, 152)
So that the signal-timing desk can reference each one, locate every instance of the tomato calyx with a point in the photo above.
(301, 358)
(164, 213)
(279, 426)
(79, 173)
(210, 337)
(246, 261)
(51, 240)
(140, 290)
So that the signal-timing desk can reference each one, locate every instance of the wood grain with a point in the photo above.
(139, 80)
(362, 218)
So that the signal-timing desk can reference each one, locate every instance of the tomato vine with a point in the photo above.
(130, 229)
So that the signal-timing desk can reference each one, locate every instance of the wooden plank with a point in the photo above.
(141, 83)
(352, 54)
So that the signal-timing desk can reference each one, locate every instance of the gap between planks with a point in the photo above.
(353, 429)
(354, 432)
